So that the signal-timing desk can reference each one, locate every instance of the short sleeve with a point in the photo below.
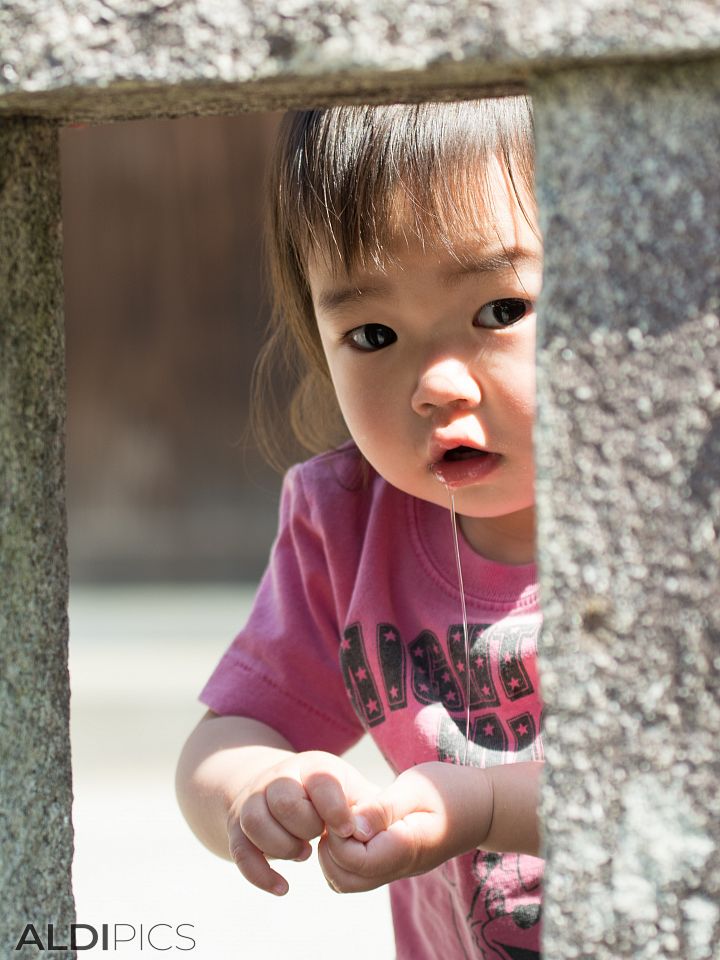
(283, 668)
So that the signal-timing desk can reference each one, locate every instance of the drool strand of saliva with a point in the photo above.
(453, 521)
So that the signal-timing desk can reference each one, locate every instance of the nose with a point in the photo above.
(445, 383)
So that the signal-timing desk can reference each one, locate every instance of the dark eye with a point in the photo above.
(371, 336)
(502, 313)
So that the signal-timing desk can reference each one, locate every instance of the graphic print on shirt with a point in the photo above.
(488, 741)
(489, 744)
(359, 680)
(426, 672)
(393, 664)
(513, 675)
(432, 681)
(504, 913)
(420, 681)
(482, 687)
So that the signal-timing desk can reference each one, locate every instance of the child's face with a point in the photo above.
(426, 357)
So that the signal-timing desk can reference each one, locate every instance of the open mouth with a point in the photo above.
(463, 453)
(463, 465)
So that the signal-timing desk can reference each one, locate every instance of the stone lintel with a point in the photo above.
(138, 101)
(116, 59)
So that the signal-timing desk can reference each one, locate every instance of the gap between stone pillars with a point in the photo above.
(36, 837)
(628, 444)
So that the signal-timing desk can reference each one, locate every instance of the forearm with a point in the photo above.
(219, 759)
(514, 824)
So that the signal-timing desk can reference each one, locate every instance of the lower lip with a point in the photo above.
(462, 473)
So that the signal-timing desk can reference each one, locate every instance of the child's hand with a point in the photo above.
(431, 812)
(286, 806)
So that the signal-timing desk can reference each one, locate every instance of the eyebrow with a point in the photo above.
(467, 265)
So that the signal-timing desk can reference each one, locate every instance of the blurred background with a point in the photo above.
(171, 512)
(165, 311)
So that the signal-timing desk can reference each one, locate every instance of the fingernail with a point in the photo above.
(280, 888)
(346, 830)
(362, 828)
(303, 856)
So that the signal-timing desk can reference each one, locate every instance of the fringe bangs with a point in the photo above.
(364, 178)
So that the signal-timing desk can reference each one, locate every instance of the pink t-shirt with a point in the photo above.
(357, 627)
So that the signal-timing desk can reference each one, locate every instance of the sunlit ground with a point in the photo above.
(138, 658)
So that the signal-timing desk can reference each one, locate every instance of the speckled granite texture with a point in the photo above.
(36, 839)
(629, 459)
(628, 438)
(120, 58)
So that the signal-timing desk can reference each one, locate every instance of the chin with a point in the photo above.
(489, 511)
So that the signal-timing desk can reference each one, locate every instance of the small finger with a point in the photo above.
(305, 855)
(262, 829)
(291, 807)
(253, 866)
(373, 816)
(364, 829)
(344, 880)
(378, 813)
(389, 853)
(329, 800)
(347, 852)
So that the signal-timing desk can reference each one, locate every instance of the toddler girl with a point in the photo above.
(405, 262)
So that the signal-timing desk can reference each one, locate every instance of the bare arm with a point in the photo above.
(220, 757)
(516, 791)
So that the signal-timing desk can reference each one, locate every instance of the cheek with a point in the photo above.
(357, 399)
(515, 382)
(361, 388)
(522, 406)
(524, 394)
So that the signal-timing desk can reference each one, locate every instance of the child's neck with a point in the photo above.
(508, 539)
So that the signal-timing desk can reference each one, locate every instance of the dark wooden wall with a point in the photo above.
(164, 313)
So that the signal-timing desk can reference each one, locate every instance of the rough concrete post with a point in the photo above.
(629, 457)
(36, 840)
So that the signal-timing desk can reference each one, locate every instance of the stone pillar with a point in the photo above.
(36, 839)
(629, 456)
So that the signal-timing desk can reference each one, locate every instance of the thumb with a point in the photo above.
(378, 813)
